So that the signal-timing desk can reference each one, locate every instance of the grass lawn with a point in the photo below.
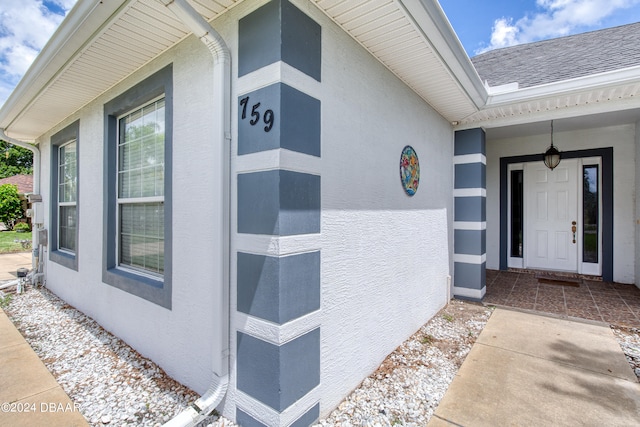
(7, 244)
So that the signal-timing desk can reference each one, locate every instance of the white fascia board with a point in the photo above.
(491, 115)
(435, 27)
(80, 26)
(555, 114)
(567, 87)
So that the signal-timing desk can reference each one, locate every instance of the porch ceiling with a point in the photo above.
(102, 42)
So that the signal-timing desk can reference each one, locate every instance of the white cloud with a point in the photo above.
(504, 33)
(554, 18)
(25, 27)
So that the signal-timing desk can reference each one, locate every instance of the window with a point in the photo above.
(64, 193)
(590, 213)
(67, 196)
(517, 198)
(137, 234)
(141, 189)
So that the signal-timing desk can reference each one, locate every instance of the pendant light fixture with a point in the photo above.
(552, 155)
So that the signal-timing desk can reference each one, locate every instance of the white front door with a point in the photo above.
(551, 209)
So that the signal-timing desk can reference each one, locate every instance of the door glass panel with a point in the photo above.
(590, 213)
(516, 213)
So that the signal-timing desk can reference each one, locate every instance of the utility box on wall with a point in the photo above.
(36, 212)
(43, 237)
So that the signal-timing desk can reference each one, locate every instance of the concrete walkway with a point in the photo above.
(29, 395)
(532, 370)
(10, 263)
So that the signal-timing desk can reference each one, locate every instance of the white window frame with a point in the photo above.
(132, 200)
(513, 262)
(594, 269)
(61, 204)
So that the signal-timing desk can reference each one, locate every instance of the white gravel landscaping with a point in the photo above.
(407, 387)
(629, 340)
(110, 382)
(114, 385)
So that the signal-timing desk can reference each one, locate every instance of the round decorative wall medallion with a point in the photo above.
(409, 170)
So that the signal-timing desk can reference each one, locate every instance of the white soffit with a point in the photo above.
(97, 46)
(395, 32)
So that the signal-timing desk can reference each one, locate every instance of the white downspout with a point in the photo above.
(222, 126)
(36, 187)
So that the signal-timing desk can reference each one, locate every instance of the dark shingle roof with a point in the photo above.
(562, 58)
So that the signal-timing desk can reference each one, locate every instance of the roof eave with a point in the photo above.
(433, 22)
(564, 87)
(611, 91)
(79, 27)
(89, 18)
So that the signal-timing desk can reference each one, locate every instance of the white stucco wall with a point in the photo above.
(177, 339)
(637, 212)
(622, 139)
(385, 256)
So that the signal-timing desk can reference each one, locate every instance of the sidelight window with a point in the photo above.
(590, 213)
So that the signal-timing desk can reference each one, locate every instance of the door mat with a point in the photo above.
(554, 279)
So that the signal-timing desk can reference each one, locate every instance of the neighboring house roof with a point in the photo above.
(563, 58)
(23, 182)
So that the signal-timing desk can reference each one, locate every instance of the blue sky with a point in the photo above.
(26, 25)
(488, 24)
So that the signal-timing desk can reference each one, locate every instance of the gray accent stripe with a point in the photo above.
(470, 276)
(310, 417)
(470, 209)
(470, 242)
(278, 376)
(245, 420)
(470, 175)
(278, 202)
(470, 141)
(301, 122)
(278, 289)
(296, 121)
(259, 38)
(301, 41)
(279, 31)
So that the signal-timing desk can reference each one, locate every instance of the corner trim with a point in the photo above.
(474, 294)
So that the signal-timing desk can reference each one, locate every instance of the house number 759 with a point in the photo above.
(268, 117)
